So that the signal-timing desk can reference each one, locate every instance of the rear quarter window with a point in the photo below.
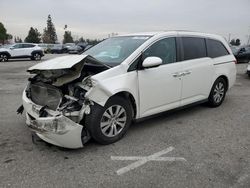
(215, 48)
(193, 47)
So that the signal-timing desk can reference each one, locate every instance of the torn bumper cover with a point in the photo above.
(55, 129)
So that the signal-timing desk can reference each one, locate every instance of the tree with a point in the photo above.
(18, 40)
(67, 38)
(81, 40)
(234, 42)
(237, 42)
(49, 33)
(33, 36)
(3, 34)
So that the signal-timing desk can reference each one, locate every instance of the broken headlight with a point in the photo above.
(87, 83)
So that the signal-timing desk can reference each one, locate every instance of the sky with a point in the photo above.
(98, 18)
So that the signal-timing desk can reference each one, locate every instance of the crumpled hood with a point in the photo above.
(64, 62)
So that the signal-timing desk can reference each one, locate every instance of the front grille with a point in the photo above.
(45, 95)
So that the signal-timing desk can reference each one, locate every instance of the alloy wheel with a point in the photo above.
(219, 92)
(113, 120)
(37, 57)
(3, 58)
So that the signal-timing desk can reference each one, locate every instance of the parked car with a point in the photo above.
(248, 69)
(58, 49)
(98, 93)
(83, 45)
(75, 49)
(88, 47)
(21, 50)
(68, 45)
(46, 47)
(243, 54)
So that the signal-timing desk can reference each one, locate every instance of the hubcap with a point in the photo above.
(113, 120)
(219, 92)
(3, 58)
(37, 57)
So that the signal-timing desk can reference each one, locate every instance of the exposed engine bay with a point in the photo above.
(63, 90)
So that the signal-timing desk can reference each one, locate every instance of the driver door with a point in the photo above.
(160, 87)
(17, 50)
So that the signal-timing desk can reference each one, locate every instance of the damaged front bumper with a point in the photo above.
(55, 128)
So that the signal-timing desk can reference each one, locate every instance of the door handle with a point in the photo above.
(186, 73)
(177, 74)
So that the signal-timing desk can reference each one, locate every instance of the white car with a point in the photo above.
(98, 93)
(21, 50)
(248, 69)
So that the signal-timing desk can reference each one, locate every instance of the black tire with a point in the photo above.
(4, 57)
(97, 116)
(36, 56)
(217, 93)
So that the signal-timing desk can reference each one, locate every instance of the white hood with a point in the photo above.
(64, 62)
(4, 49)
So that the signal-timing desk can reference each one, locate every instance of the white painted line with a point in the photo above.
(140, 160)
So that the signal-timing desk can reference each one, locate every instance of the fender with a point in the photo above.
(5, 52)
(37, 51)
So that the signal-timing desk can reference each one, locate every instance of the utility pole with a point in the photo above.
(229, 37)
(248, 37)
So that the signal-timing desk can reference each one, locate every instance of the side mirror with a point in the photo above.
(151, 62)
(11, 48)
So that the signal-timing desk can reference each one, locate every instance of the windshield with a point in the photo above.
(115, 50)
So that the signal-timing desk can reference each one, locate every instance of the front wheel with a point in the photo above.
(218, 93)
(108, 124)
(4, 58)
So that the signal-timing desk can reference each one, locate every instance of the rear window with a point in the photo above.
(28, 45)
(216, 48)
(193, 47)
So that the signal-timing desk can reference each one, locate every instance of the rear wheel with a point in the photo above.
(218, 93)
(4, 58)
(36, 57)
(108, 124)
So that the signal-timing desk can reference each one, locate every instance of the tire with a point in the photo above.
(109, 124)
(4, 58)
(36, 56)
(217, 93)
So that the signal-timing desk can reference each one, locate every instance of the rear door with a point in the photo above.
(198, 70)
(27, 49)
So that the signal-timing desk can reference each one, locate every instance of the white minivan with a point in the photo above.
(98, 93)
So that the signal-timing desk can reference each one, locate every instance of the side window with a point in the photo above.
(17, 46)
(193, 47)
(164, 49)
(28, 45)
(215, 48)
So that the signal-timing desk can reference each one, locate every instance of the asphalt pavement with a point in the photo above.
(194, 147)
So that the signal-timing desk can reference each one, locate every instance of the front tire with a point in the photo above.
(218, 93)
(4, 58)
(109, 124)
